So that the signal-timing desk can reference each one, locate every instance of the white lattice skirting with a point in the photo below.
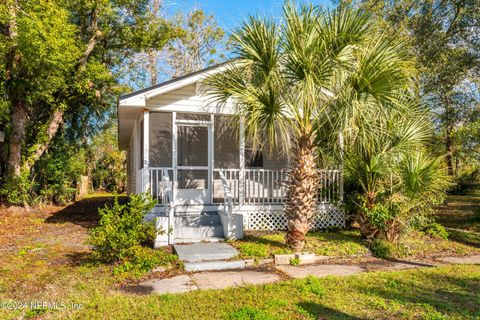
(327, 216)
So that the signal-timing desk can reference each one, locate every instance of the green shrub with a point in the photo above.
(122, 235)
(380, 216)
(249, 313)
(436, 230)
(385, 249)
(294, 261)
(19, 190)
(467, 182)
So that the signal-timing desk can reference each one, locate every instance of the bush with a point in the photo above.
(142, 259)
(253, 250)
(467, 182)
(249, 313)
(58, 173)
(385, 249)
(122, 235)
(436, 230)
(19, 191)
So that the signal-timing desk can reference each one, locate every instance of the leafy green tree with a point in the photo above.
(445, 43)
(60, 63)
(202, 44)
(107, 162)
(289, 78)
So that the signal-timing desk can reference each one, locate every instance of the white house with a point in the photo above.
(208, 180)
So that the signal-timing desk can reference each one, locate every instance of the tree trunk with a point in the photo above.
(301, 192)
(40, 147)
(17, 137)
(19, 112)
(152, 66)
(449, 149)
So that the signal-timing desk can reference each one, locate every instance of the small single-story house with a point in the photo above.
(208, 181)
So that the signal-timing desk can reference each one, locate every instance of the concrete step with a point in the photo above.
(190, 240)
(213, 265)
(197, 220)
(199, 232)
(198, 252)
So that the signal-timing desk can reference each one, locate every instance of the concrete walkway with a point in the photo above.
(225, 279)
(203, 281)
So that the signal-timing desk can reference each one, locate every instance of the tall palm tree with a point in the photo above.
(288, 76)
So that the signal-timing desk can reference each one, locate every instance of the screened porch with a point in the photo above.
(204, 156)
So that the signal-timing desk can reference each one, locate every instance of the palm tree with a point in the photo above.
(287, 78)
(387, 165)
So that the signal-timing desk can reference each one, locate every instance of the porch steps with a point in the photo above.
(214, 265)
(197, 228)
(208, 256)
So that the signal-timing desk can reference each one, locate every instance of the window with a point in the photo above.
(253, 158)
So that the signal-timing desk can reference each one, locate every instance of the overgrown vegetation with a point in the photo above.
(63, 65)
(124, 238)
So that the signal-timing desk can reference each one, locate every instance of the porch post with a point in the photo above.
(174, 155)
(341, 144)
(211, 157)
(241, 174)
(146, 150)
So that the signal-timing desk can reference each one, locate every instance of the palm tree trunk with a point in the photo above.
(301, 191)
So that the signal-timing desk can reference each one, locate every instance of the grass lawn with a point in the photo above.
(463, 213)
(44, 258)
(335, 243)
(449, 292)
(460, 212)
(346, 243)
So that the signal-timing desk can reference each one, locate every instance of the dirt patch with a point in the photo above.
(56, 229)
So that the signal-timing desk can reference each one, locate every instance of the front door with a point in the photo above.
(192, 167)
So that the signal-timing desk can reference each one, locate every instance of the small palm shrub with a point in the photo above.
(124, 238)
(391, 178)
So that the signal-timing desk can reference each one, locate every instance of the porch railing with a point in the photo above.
(260, 186)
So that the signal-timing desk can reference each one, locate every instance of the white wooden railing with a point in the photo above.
(260, 186)
(167, 196)
(227, 195)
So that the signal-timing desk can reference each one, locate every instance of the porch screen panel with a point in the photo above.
(192, 179)
(160, 139)
(192, 146)
(226, 155)
(226, 145)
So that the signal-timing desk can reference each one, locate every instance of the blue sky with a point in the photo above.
(230, 13)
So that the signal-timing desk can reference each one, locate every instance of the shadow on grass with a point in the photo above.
(320, 312)
(84, 212)
(466, 238)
